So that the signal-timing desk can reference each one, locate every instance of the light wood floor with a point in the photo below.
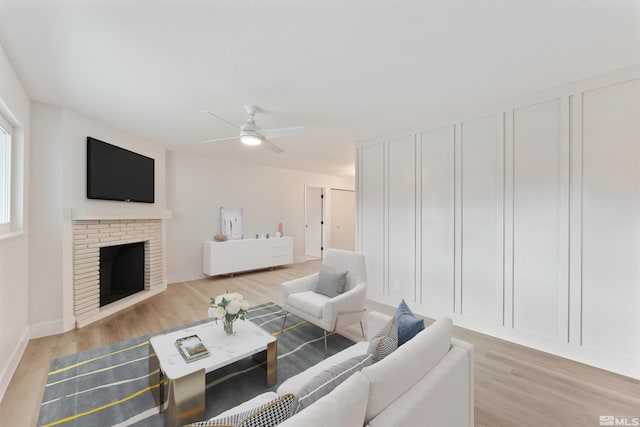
(514, 385)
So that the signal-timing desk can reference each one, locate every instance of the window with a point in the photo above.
(5, 176)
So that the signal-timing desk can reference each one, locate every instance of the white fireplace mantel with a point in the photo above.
(88, 214)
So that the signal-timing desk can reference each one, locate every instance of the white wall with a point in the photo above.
(14, 250)
(198, 187)
(521, 221)
(58, 177)
(47, 216)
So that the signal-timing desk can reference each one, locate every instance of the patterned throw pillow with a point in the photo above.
(208, 423)
(407, 323)
(269, 414)
(325, 381)
(384, 342)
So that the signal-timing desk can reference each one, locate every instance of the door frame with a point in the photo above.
(307, 205)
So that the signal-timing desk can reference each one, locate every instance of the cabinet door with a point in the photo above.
(282, 251)
(243, 255)
(218, 258)
(262, 253)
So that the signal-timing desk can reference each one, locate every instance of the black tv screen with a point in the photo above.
(114, 173)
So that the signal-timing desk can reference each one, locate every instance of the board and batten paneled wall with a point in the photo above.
(522, 221)
(481, 204)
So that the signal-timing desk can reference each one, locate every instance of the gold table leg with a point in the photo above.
(268, 359)
(272, 363)
(156, 377)
(181, 399)
(186, 400)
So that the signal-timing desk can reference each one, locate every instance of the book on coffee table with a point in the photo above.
(191, 348)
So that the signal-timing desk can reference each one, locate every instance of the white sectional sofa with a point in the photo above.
(427, 381)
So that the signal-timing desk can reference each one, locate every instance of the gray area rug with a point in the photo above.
(109, 386)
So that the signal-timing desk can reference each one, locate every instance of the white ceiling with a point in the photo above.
(347, 70)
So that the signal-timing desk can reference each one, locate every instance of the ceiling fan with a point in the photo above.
(251, 134)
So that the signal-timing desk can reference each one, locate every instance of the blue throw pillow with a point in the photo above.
(407, 323)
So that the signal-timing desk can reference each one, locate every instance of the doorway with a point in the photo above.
(343, 219)
(313, 222)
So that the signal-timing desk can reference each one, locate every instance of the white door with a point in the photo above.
(314, 203)
(343, 219)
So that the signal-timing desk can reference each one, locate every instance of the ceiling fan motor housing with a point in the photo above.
(252, 110)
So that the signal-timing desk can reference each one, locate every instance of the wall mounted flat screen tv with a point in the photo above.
(114, 173)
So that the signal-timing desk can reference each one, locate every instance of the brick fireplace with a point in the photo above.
(89, 235)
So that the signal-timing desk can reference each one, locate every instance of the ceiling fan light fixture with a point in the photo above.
(251, 139)
(251, 134)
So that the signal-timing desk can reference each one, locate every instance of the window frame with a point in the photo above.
(6, 167)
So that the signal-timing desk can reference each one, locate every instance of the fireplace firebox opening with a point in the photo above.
(122, 269)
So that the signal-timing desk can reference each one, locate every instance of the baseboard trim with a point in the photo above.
(12, 364)
(185, 277)
(616, 364)
(53, 327)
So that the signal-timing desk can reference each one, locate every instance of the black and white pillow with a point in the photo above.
(269, 414)
(384, 342)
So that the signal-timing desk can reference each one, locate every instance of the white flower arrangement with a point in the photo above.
(229, 307)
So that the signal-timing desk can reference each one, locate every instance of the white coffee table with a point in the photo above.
(182, 384)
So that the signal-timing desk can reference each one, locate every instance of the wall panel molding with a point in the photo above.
(540, 192)
(457, 186)
(611, 219)
(436, 263)
(401, 222)
(521, 221)
(574, 313)
(481, 222)
(371, 213)
(507, 130)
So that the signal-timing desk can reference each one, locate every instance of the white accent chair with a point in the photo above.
(330, 314)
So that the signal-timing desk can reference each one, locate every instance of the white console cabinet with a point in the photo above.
(234, 256)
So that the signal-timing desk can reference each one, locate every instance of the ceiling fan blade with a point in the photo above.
(221, 119)
(281, 132)
(219, 139)
(271, 146)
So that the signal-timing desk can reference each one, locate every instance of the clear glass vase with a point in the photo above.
(228, 326)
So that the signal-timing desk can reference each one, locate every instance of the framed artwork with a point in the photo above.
(231, 223)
